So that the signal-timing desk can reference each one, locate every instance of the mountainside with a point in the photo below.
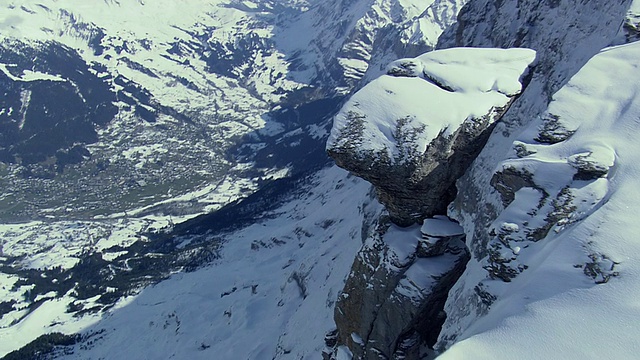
(178, 115)
(485, 191)
(121, 120)
(561, 266)
(166, 191)
(264, 284)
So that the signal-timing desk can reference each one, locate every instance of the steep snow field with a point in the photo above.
(269, 295)
(578, 297)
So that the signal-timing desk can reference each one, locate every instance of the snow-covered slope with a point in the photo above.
(124, 118)
(215, 102)
(188, 80)
(577, 296)
(195, 98)
(269, 293)
(483, 194)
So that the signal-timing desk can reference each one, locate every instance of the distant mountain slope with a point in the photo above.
(124, 118)
(174, 87)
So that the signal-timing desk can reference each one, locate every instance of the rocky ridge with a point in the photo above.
(392, 302)
(485, 193)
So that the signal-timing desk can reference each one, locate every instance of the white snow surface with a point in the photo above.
(552, 310)
(443, 89)
(440, 226)
(28, 75)
(269, 295)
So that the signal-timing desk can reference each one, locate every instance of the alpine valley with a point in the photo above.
(306, 179)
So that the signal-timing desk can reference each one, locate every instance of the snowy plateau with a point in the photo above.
(165, 189)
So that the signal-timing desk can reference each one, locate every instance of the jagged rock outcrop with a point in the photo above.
(414, 131)
(391, 304)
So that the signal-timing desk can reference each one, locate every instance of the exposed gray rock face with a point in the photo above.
(391, 304)
(432, 175)
(413, 132)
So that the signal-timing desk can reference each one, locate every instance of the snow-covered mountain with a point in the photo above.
(168, 158)
(178, 108)
(121, 119)
(566, 238)
(266, 283)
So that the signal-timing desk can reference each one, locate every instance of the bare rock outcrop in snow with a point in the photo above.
(414, 131)
(391, 303)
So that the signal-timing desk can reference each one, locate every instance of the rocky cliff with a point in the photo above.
(513, 196)
(412, 133)
(561, 253)
(391, 303)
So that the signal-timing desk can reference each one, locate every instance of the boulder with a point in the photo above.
(414, 131)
